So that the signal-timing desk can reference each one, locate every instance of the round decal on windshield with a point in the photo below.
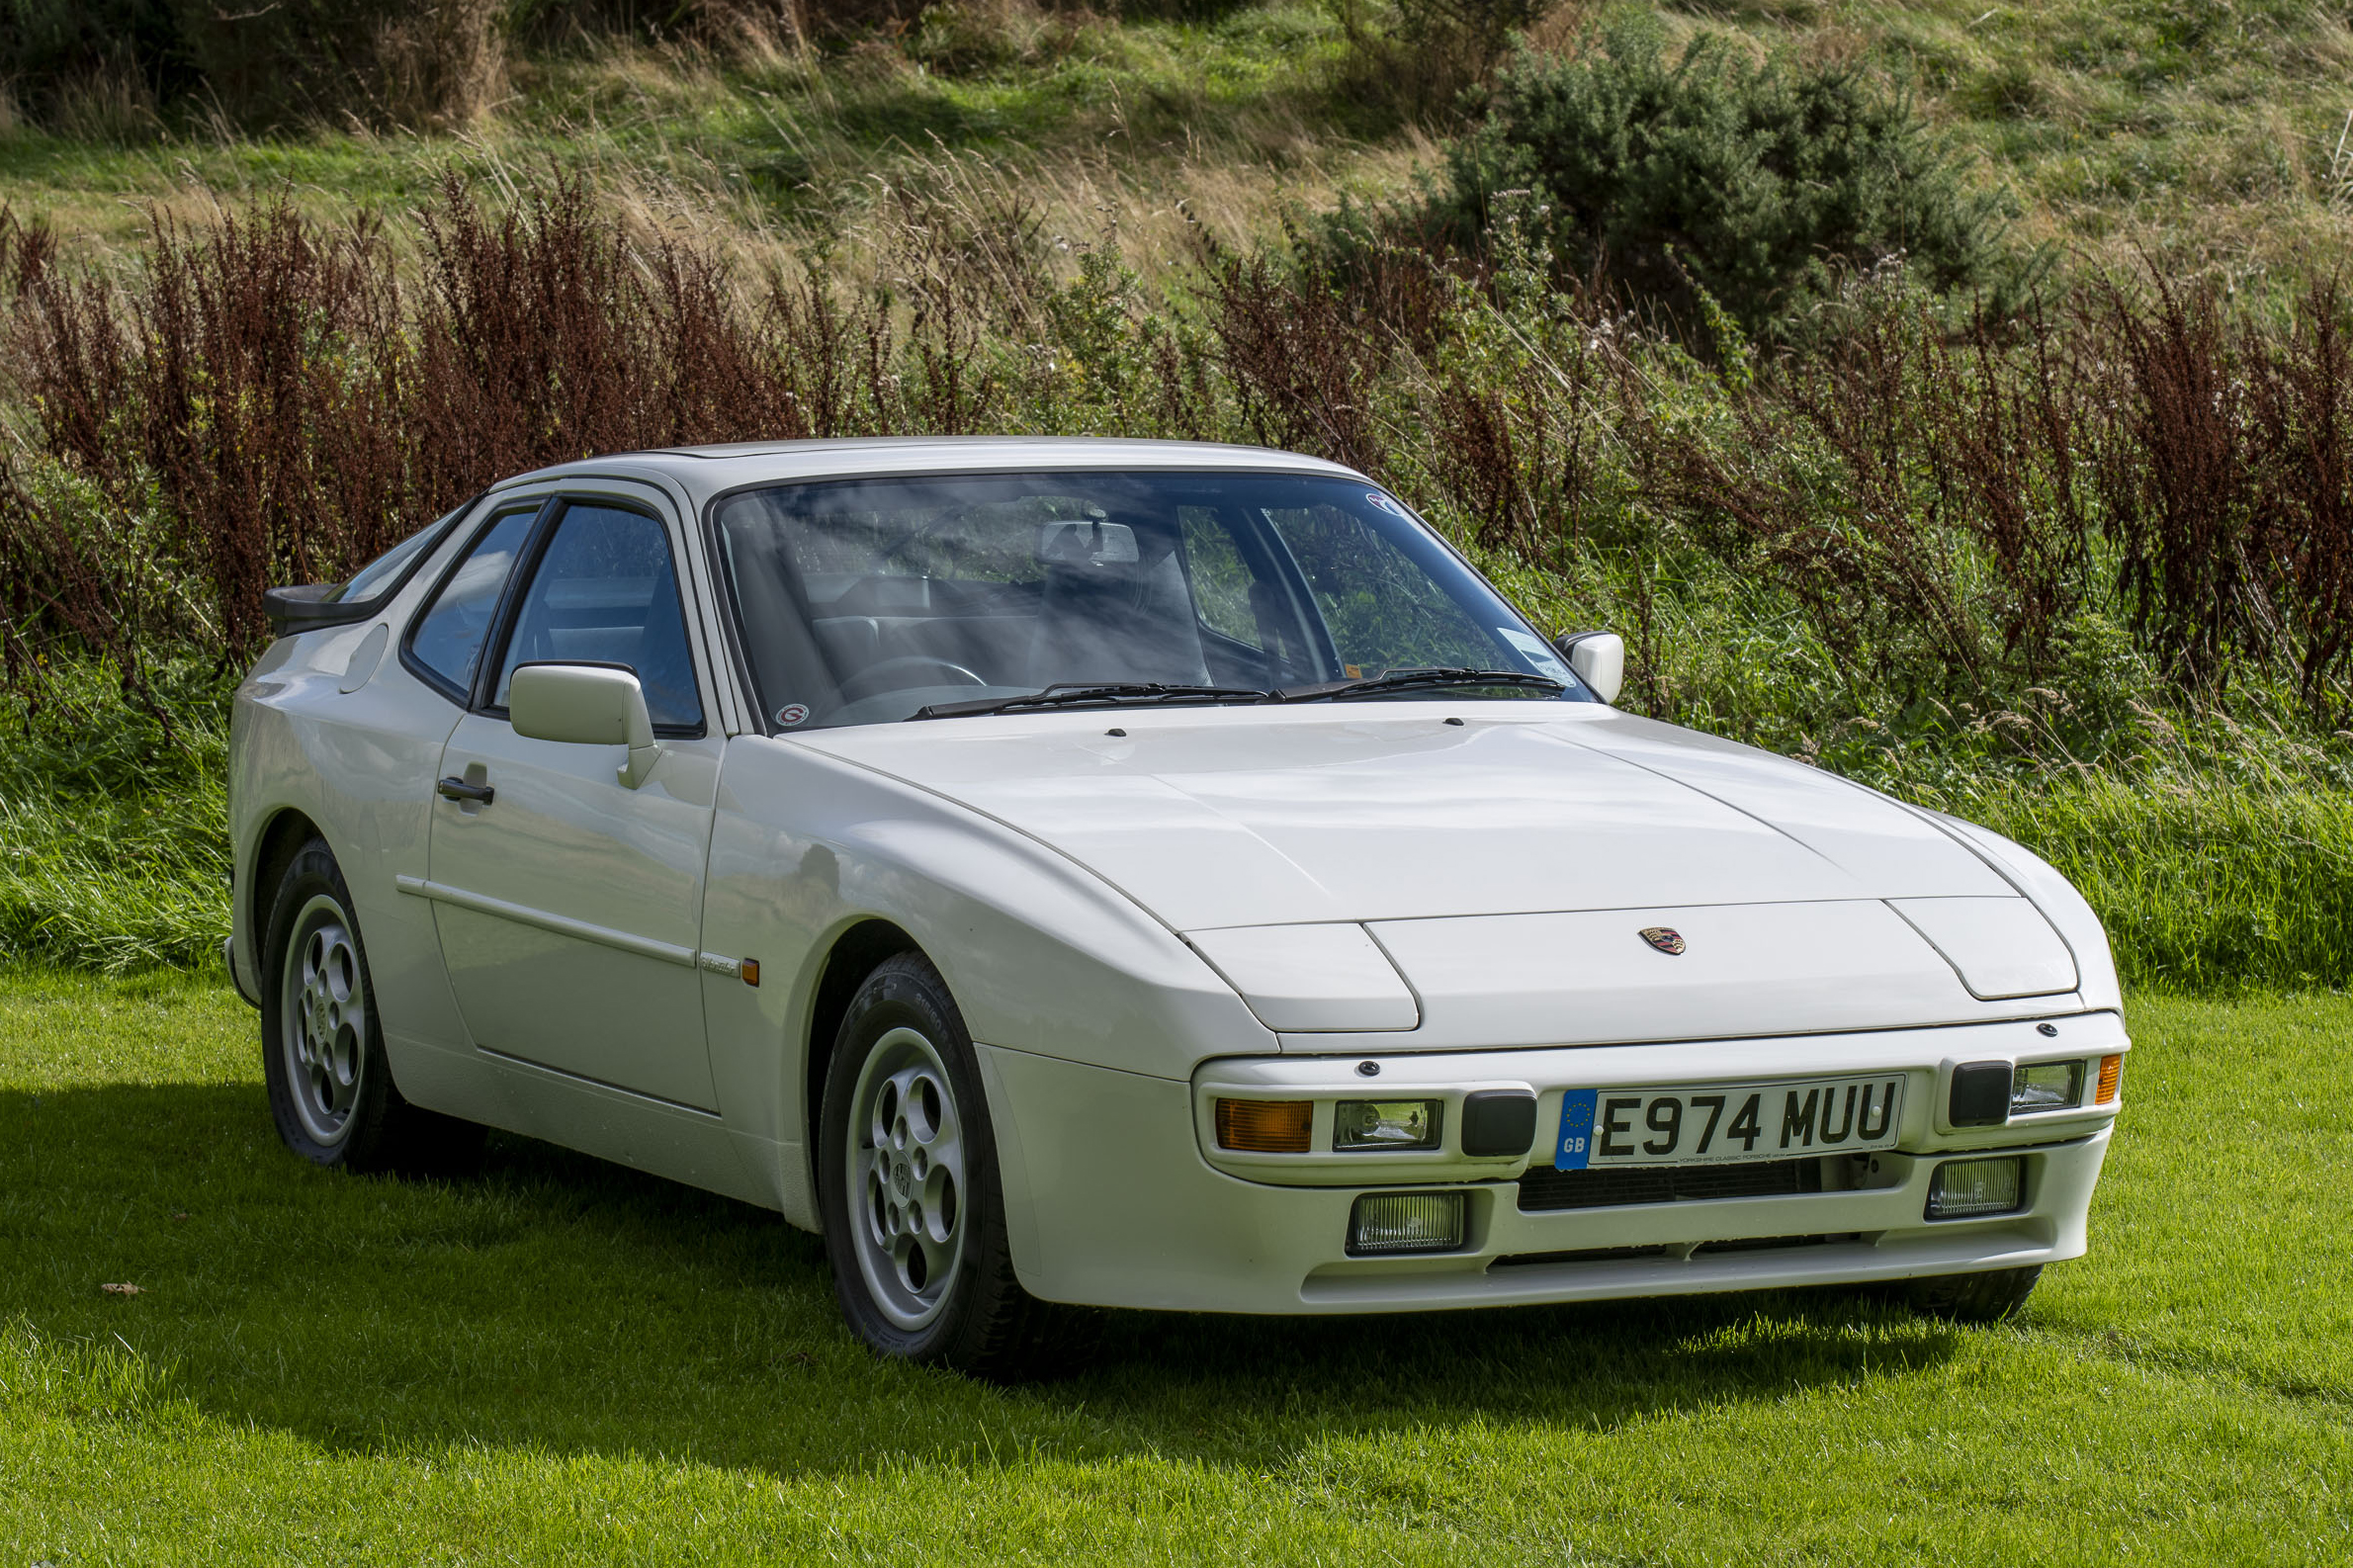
(792, 712)
(1388, 504)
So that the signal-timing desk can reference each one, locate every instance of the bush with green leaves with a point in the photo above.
(1672, 172)
(1429, 51)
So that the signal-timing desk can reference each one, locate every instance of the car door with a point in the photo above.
(569, 903)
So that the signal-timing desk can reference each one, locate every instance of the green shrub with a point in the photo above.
(53, 52)
(1758, 183)
(1431, 49)
(424, 63)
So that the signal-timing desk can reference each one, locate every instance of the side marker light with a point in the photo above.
(2112, 1068)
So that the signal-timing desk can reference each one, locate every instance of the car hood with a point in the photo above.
(1244, 817)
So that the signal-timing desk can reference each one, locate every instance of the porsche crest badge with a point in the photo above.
(1666, 939)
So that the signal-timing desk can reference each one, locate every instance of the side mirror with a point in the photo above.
(1598, 658)
(584, 705)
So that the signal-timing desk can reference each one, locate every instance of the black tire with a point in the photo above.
(980, 1321)
(1993, 1295)
(331, 1090)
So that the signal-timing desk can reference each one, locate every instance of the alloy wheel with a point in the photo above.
(906, 1174)
(324, 1019)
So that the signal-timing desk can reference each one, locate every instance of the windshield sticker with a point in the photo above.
(1389, 504)
(1546, 662)
(792, 712)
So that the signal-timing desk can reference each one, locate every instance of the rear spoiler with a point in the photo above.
(306, 607)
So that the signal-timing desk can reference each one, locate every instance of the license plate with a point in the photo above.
(1624, 1127)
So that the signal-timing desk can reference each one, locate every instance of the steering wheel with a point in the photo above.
(874, 672)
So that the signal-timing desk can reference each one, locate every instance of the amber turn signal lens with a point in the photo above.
(749, 969)
(2112, 1068)
(1264, 1126)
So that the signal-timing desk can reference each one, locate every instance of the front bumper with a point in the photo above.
(1112, 1199)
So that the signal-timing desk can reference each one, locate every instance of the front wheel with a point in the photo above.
(908, 1184)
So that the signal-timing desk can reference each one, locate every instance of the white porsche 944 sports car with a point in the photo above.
(1129, 874)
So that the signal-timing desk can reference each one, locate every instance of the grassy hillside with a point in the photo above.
(2202, 130)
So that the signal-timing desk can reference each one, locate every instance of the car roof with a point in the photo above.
(706, 471)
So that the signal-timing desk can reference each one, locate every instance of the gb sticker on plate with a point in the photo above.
(1572, 1148)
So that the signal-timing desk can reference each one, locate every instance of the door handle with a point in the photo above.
(455, 788)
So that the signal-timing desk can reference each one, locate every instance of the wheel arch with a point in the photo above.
(852, 957)
(281, 838)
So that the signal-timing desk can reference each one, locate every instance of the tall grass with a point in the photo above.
(1990, 567)
(2205, 888)
(114, 841)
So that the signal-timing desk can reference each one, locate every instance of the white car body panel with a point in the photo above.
(2000, 950)
(1195, 1237)
(1312, 978)
(595, 976)
(1265, 898)
(1750, 968)
(1262, 817)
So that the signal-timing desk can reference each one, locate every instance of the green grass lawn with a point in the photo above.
(567, 1360)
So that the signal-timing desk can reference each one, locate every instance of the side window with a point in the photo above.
(607, 592)
(379, 575)
(448, 637)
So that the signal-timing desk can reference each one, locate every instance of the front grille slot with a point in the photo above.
(1768, 1243)
(1613, 1254)
(1543, 1188)
(1587, 1255)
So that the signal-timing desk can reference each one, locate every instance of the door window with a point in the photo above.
(447, 641)
(607, 592)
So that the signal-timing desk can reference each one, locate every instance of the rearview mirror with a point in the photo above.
(1598, 658)
(586, 705)
(1094, 543)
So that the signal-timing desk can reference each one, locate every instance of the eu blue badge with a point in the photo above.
(1573, 1147)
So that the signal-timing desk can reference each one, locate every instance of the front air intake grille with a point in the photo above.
(1768, 1243)
(1617, 1255)
(1583, 1255)
(1545, 1188)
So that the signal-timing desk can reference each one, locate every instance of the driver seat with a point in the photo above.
(1119, 621)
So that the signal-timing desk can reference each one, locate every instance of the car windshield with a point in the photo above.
(873, 600)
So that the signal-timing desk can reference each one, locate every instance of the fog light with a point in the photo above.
(2046, 1086)
(1385, 1124)
(1963, 1188)
(1405, 1222)
(2112, 1069)
(1264, 1126)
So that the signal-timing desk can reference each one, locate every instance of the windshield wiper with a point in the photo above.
(1416, 680)
(1094, 694)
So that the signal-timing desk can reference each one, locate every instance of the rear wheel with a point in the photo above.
(908, 1182)
(332, 1088)
(1989, 1296)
